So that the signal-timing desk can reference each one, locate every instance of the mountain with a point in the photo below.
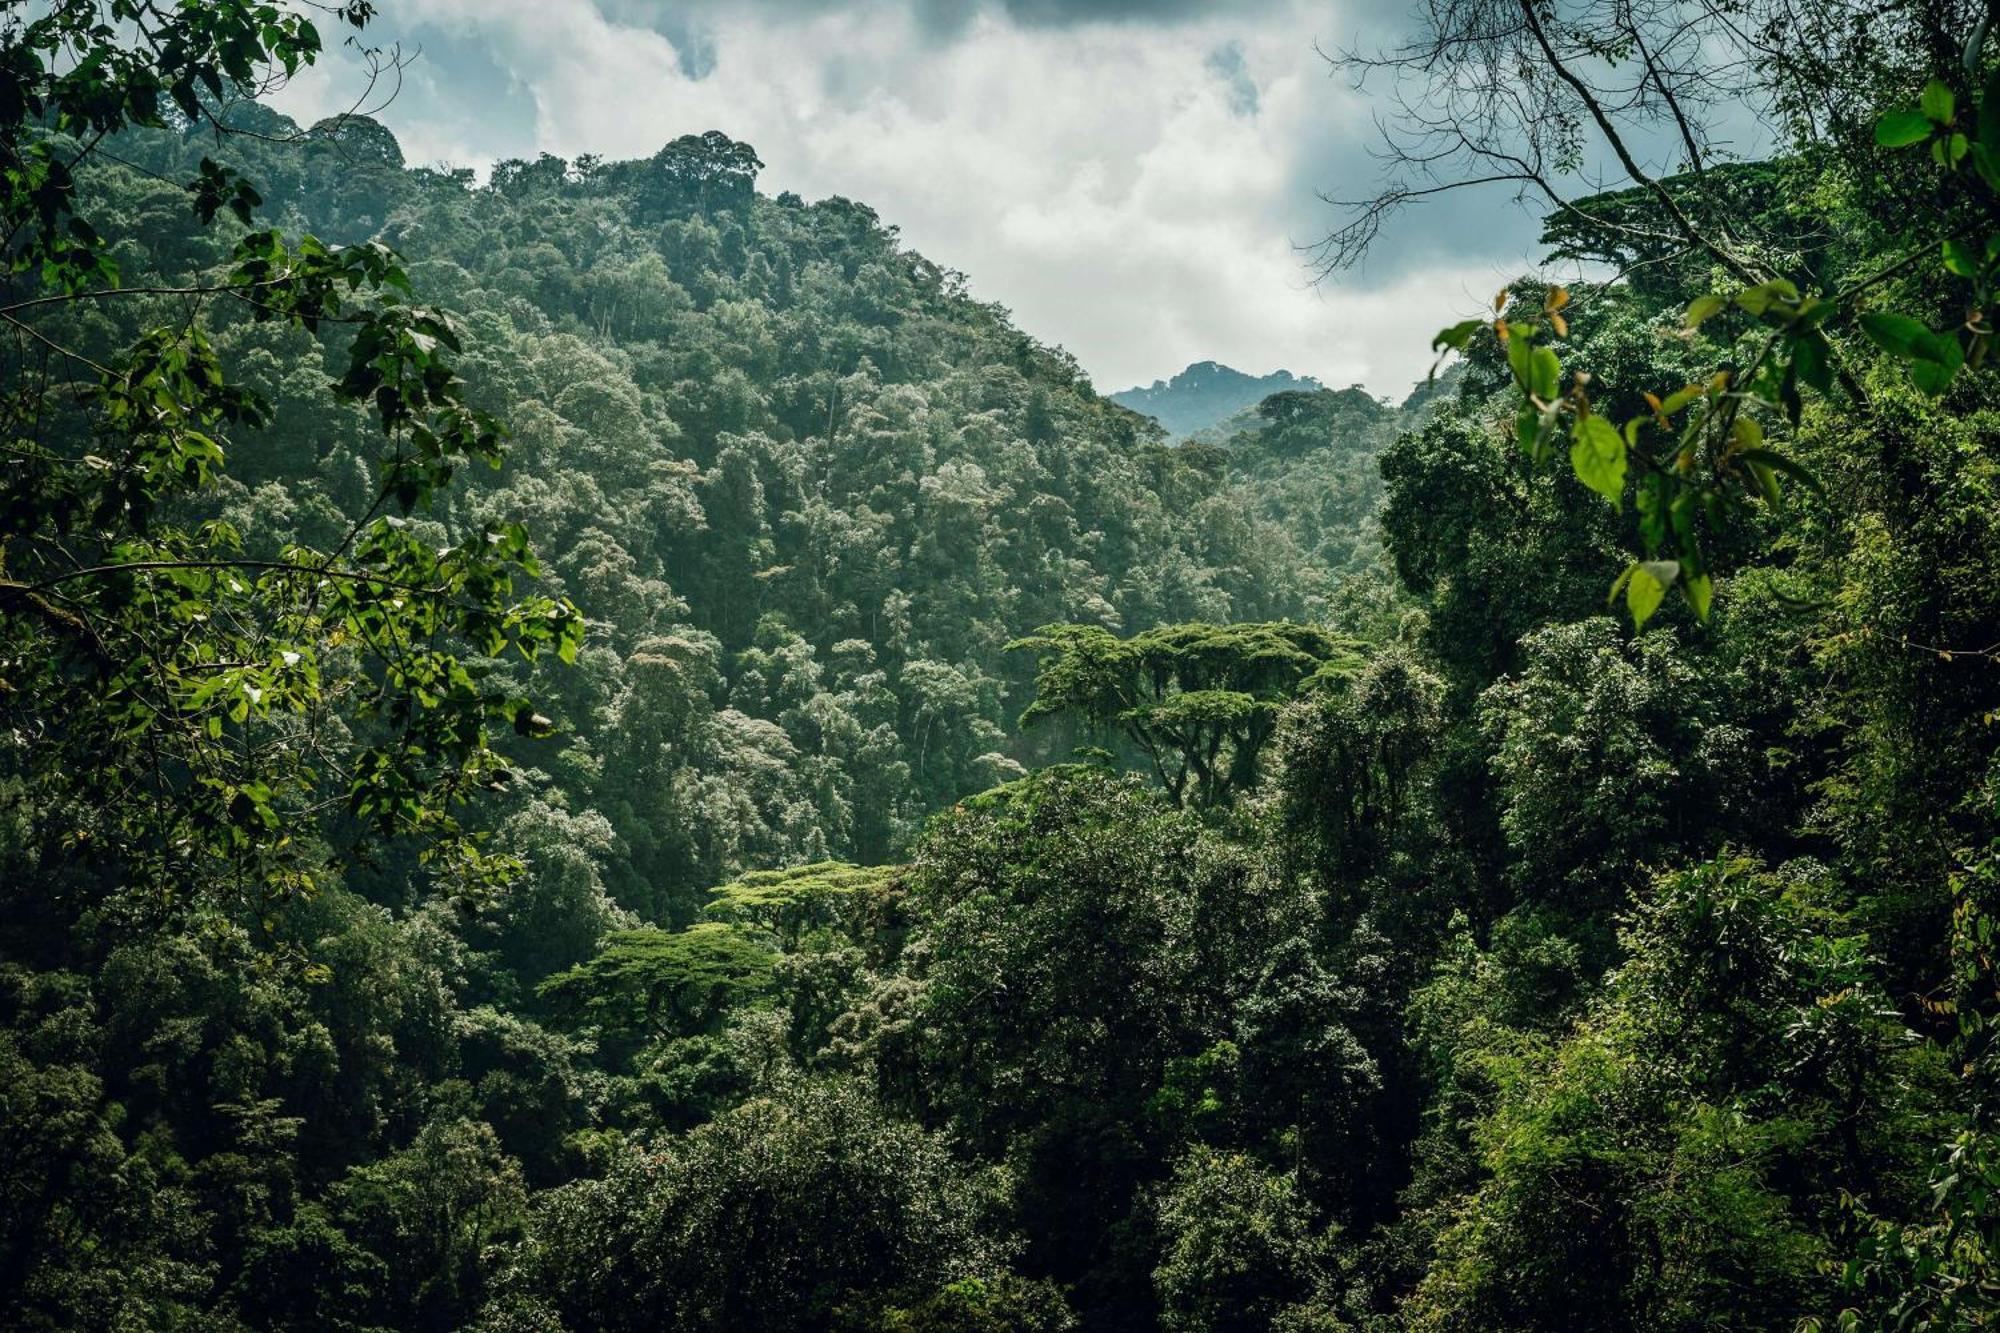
(1205, 393)
(805, 492)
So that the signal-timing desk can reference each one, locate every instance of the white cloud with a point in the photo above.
(1132, 190)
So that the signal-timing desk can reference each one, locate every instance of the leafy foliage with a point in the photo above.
(788, 904)
(1198, 701)
(774, 1216)
(384, 945)
(1709, 467)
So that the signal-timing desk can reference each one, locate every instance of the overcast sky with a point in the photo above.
(1133, 178)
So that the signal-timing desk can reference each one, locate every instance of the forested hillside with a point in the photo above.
(803, 487)
(606, 749)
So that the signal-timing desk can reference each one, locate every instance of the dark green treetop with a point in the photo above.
(1199, 701)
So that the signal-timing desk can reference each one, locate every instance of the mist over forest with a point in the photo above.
(594, 743)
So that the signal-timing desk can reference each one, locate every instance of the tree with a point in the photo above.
(552, 915)
(91, 1231)
(1069, 946)
(705, 173)
(1651, 1151)
(1354, 759)
(772, 1217)
(1198, 701)
(647, 984)
(1241, 1251)
(175, 703)
(788, 904)
(971, 1305)
(439, 1211)
(1513, 87)
(1605, 754)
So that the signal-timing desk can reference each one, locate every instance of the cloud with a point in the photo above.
(1134, 180)
(1226, 63)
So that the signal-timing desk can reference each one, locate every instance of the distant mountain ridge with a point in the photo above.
(1205, 393)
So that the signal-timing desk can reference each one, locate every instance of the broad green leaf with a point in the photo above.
(1935, 369)
(1650, 501)
(1899, 335)
(1900, 129)
(1938, 103)
(1645, 583)
(1597, 452)
(1986, 153)
(1788, 393)
(1959, 259)
(1949, 150)
(1457, 336)
(1703, 308)
(1791, 467)
(1811, 363)
(1764, 295)
(1528, 430)
(1547, 372)
(1767, 482)
(1520, 358)
(1700, 591)
(1681, 397)
(1986, 160)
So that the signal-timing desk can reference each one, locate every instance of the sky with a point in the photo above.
(1134, 179)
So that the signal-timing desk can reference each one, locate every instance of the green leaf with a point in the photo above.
(1651, 502)
(1934, 371)
(1949, 150)
(1778, 462)
(1986, 153)
(1758, 299)
(1681, 397)
(1986, 160)
(1645, 584)
(1703, 308)
(1767, 483)
(1899, 335)
(1597, 452)
(1521, 357)
(1700, 591)
(1811, 363)
(1938, 103)
(1960, 259)
(1547, 374)
(1528, 430)
(1648, 587)
(1900, 129)
(1457, 336)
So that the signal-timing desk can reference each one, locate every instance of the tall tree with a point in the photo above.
(1199, 702)
(177, 706)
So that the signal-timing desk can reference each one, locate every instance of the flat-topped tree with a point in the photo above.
(789, 904)
(1200, 701)
(648, 983)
